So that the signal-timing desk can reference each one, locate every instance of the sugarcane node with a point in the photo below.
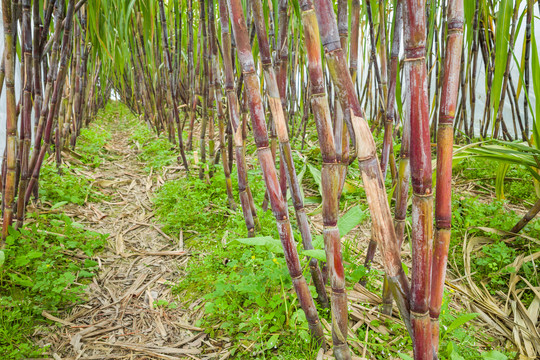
(417, 315)
(427, 195)
(338, 290)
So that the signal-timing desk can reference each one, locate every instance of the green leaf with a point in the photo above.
(255, 241)
(405, 357)
(351, 219)
(316, 253)
(316, 173)
(272, 342)
(58, 205)
(2, 258)
(459, 321)
(266, 241)
(506, 9)
(494, 355)
(535, 66)
(21, 281)
(452, 352)
(499, 180)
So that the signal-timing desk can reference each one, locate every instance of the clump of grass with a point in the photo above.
(40, 273)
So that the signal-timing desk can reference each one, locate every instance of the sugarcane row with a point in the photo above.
(183, 85)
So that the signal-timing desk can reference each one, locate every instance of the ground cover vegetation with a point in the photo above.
(331, 188)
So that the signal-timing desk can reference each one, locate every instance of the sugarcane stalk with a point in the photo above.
(26, 122)
(248, 209)
(221, 113)
(58, 87)
(368, 163)
(474, 51)
(526, 72)
(402, 184)
(287, 161)
(277, 201)
(11, 120)
(205, 89)
(443, 211)
(417, 109)
(171, 94)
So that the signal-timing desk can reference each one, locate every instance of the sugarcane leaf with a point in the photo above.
(458, 322)
(535, 67)
(350, 220)
(316, 173)
(499, 179)
(2, 258)
(469, 8)
(504, 15)
(318, 242)
(316, 253)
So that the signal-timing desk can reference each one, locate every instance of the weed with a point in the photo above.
(42, 273)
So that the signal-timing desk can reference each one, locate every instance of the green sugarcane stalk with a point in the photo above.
(277, 201)
(443, 211)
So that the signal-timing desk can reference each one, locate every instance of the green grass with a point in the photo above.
(40, 273)
(518, 187)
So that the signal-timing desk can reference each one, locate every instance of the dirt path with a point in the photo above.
(130, 312)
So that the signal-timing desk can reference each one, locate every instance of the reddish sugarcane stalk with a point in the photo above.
(402, 184)
(330, 181)
(26, 122)
(355, 35)
(11, 119)
(402, 197)
(443, 210)
(368, 163)
(36, 61)
(248, 209)
(58, 86)
(391, 94)
(340, 129)
(417, 109)
(221, 113)
(171, 94)
(282, 62)
(277, 201)
(387, 141)
(287, 162)
(205, 89)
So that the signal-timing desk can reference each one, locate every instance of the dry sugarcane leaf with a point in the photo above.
(507, 233)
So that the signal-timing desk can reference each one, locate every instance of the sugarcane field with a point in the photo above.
(270, 179)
